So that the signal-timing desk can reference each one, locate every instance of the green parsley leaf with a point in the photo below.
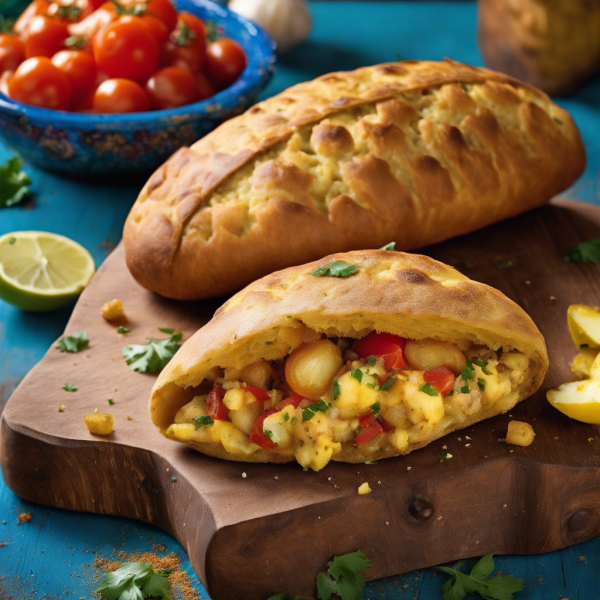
(587, 251)
(427, 389)
(70, 387)
(338, 268)
(376, 408)
(111, 401)
(371, 361)
(465, 389)
(344, 578)
(122, 329)
(134, 581)
(153, 356)
(203, 420)
(73, 343)
(309, 412)
(167, 330)
(390, 246)
(357, 374)
(468, 372)
(507, 264)
(499, 587)
(479, 362)
(481, 384)
(13, 182)
(336, 389)
(386, 385)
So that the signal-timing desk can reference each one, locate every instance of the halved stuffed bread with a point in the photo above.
(373, 357)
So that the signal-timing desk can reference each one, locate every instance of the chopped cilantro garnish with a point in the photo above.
(111, 401)
(357, 374)
(468, 372)
(450, 393)
(338, 268)
(135, 581)
(203, 420)
(486, 371)
(499, 587)
(309, 412)
(153, 356)
(359, 430)
(587, 251)
(371, 385)
(479, 362)
(70, 387)
(268, 433)
(286, 417)
(386, 385)
(444, 456)
(122, 329)
(73, 343)
(376, 408)
(294, 420)
(507, 264)
(167, 330)
(465, 389)
(481, 383)
(427, 389)
(371, 361)
(390, 246)
(336, 389)
(13, 182)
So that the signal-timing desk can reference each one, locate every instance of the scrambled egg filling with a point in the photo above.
(366, 404)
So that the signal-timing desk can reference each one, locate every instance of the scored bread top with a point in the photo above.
(415, 151)
(409, 295)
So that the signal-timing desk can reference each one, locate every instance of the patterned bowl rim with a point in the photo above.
(260, 51)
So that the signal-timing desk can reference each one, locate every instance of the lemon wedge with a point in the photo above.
(42, 271)
(579, 400)
(584, 325)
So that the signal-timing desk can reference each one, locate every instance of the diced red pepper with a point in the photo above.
(441, 379)
(386, 425)
(258, 436)
(259, 393)
(387, 345)
(370, 428)
(294, 400)
(217, 411)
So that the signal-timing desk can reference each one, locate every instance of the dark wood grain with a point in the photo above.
(247, 535)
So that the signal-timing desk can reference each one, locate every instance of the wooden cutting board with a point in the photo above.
(255, 530)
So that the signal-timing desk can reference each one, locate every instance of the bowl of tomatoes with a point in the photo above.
(92, 88)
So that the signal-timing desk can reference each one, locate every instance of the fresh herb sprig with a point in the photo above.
(153, 356)
(14, 182)
(338, 268)
(135, 581)
(499, 587)
(73, 343)
(587, 251)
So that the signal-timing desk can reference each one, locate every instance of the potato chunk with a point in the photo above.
(99, 423)
(519, 433)
(113, 311)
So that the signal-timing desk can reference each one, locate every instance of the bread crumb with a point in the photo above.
(244, 475)
(581, 558)
(113, 311)
(364, 489)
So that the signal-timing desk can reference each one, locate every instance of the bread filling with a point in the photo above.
(378, 394)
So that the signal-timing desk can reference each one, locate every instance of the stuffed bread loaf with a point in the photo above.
(415, 152)
(356, 368)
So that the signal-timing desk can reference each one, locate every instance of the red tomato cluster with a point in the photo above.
(114, 57)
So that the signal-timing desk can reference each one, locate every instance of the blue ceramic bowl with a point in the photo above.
(84, 145)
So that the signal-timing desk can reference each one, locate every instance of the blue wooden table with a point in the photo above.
(51, 556)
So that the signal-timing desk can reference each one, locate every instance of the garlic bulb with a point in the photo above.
(287, 21)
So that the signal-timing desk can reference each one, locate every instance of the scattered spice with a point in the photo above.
(23, 517)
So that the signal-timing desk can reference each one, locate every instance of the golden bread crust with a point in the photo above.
(405, 294)
(415, 152)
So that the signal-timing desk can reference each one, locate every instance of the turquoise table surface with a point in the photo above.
(52, 556)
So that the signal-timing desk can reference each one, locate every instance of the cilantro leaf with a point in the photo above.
(587, 251)
(73, 343)
(371, 361)
(153, 356)
(385, 386)
(468, 372)
(309, 412)
(390, 246)
(357, 374)
(124, 583)
(203, 420)
(465, 389)
(499, 587)
(122, 329)
(479, 362)
(338, 268)
(427, 389)
(376, 408)
(157, 586)
(336, 389)
(13, 182)
(347, 582)
(70, 387)
(481, 384)
(167, 330)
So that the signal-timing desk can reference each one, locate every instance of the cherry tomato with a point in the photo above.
(191, 56)
(386, 425)
(214, 404)
(259, 393)
(4, 78)
(126, 49)
(390, 347)
(98, 20)
(120, 96)
(258, 436)
(194, 23)
(158, 29)
(170, 87)
(225, 61)
(441, 379)
(45, 36)
(37, 81)
(205, 88)
(12, 52)
(84, 103)
(79, 67)
(290, 400)
(36, 8)
(370, 428)
(164, 11)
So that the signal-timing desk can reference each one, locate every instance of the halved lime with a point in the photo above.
(42, 271)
